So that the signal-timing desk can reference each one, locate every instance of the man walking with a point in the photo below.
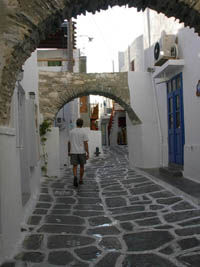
(78, 150)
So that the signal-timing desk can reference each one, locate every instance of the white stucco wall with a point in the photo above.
(161, 93)
(64, 138)
(157, 23)
(31, 140)
(143, 139)
(134, 52)
(189, 51)
(30, 79)
(45, 54)
(52, 149)
(95, 140)
(19, 158)
(10, 192)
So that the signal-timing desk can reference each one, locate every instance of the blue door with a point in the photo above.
(176, 138)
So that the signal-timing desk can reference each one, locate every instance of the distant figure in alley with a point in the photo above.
(78, 150)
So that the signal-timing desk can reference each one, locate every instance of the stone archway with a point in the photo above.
(25, 22)
(57, 89)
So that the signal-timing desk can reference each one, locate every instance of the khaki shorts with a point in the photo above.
(78, 159)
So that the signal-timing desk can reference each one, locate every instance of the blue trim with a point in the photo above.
(176, 134)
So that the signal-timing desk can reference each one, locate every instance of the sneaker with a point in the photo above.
(75, 181)
(81, 182)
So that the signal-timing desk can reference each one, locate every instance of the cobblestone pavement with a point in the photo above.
(118, 217)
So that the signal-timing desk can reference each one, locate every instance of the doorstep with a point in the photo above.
(178, 184)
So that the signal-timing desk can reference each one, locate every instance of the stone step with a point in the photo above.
(171, 171)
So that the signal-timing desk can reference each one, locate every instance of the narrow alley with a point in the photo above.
(118, 217)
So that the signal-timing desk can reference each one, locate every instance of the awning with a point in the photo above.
(168, 69)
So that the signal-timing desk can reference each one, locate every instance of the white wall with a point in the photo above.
(19, 158)
(45, 54)
(134, 52)
(30, 79)
(143, 140)
(158, 23)
(52, 149)
(95, 140)
(31, 140)
(190, 53)
(10, 192)
(64, 139)
(188, 46)
(161, 93)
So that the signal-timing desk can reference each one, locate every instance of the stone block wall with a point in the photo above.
(57, 89)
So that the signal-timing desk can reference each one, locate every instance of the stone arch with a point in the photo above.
(57, 89)
(25, 22)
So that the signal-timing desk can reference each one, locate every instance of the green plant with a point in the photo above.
(45, 127)
(44, 169)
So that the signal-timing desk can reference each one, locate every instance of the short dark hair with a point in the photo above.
(79, 122)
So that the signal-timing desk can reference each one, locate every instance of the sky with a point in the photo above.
(112, 31)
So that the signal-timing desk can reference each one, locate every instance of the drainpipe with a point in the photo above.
(154, 91)
(158, 120)
(149, 27)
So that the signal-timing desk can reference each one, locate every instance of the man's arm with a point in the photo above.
(86, 149)
(69, 148)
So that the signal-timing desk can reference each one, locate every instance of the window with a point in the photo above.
(54, 63)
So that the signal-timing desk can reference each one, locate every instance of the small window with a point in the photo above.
(54, 63)
(132, 65)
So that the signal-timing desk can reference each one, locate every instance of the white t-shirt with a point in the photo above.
(77, 136)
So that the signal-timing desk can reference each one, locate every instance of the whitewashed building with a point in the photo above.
(20, 172)
(164, 75)
(20, 152)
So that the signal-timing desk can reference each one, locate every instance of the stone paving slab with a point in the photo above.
(117, 218)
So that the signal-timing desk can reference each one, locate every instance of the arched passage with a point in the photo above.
(57, 89)
(25, 22)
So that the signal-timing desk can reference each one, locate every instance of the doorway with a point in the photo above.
(176, 136)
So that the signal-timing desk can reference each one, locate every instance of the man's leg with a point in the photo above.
(74, 162)
(75, 170)
(81, 174)
(75, 175)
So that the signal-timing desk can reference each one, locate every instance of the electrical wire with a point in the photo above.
(103, 38)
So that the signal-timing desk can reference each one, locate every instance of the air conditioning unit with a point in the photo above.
(165, 49)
